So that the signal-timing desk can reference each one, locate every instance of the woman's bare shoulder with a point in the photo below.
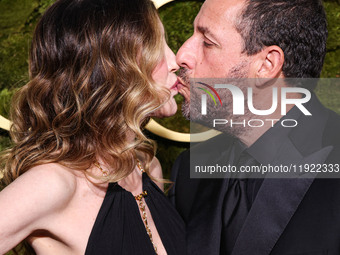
(53, 179)
(51, 185)
(32, 199)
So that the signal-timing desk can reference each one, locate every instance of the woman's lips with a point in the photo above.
(180, 83)
(180, 87)
(176, 85)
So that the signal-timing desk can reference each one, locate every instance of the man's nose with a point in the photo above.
(186, 56)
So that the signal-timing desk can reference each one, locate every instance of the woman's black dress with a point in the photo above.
(119, 228)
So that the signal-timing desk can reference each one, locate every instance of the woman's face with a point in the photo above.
(164, 75)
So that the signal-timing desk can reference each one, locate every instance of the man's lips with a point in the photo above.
(180, 83)
(183, 89)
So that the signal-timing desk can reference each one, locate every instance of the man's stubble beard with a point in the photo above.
(185, 108)
(192, 107)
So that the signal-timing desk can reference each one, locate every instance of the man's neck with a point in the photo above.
(254, 133)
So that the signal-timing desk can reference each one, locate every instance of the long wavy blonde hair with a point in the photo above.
(90, 87)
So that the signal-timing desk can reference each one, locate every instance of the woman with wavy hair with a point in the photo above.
(82, 177)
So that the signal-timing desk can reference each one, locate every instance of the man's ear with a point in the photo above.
(269, 62)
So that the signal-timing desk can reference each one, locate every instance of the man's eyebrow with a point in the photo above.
(205, 31)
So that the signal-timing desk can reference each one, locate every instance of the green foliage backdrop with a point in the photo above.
(17, 21)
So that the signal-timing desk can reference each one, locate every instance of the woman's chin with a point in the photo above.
(168, 110)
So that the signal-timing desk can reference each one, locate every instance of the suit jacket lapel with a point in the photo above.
(275, 204)
(278, 199)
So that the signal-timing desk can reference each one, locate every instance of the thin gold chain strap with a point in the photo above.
(139, 199)
(141, 205)
(104, 172)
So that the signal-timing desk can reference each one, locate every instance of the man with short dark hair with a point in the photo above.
(268, 41)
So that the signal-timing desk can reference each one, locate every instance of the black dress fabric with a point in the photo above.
(119, 229)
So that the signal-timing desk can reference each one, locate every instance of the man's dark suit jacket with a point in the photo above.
(288, 216)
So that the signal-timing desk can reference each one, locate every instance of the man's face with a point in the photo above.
(215, 48)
